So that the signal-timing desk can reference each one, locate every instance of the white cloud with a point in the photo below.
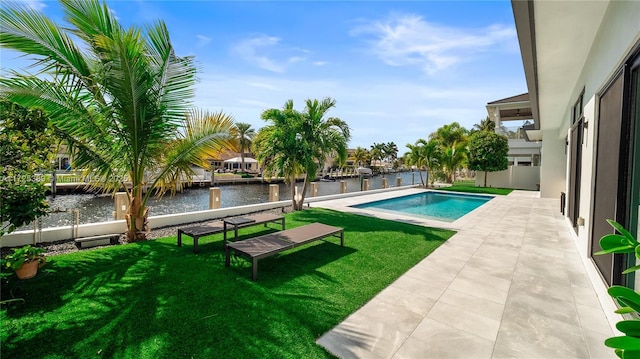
(320, 63)
(402, 40)
(268, 53)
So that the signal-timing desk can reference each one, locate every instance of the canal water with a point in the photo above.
(99, 208)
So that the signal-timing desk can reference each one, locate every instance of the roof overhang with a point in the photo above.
(555, 40)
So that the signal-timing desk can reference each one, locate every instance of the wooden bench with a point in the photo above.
(208, 229)
(269, 244)
(94, 241)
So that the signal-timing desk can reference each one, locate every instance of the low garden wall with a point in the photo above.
(54, 234)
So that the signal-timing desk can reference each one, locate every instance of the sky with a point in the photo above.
(398, 70)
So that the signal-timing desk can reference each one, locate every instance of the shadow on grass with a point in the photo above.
(157, 300)
(363, 223)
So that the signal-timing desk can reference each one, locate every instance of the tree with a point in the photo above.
(26, 143)
(485, 125)
(361, 156)
(391, 153)
(415, 157)
(377, 153)
(296, 143)
(424, 154)
(488, 152)
(452, 140)
(118, 96)
(245, 134)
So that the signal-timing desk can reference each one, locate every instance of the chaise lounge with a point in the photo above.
(267, 245)
(208, 229)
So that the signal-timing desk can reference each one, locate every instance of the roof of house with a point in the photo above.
(516, 98)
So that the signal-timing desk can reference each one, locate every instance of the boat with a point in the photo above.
(363, 171)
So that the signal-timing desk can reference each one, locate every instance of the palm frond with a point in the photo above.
(30, 32)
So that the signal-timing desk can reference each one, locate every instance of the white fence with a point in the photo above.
(516, 177)
(102, 228)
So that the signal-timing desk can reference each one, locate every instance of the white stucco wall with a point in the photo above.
(618, 33)
(516, 177)
(553, 169)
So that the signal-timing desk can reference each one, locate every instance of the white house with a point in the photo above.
(511, 116)
(582, 65)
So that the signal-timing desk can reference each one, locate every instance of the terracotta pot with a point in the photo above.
(27, 270)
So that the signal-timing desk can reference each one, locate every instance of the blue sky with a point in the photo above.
(398, 70)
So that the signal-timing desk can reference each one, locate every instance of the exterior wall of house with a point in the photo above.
(553, 173)
(587, 178)
(619, 32)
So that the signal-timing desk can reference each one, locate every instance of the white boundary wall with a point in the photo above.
(516, 177)
(21, 238)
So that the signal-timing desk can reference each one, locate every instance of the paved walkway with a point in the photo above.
(509, 284)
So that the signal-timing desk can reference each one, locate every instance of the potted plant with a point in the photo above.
(626, 346)
(25, 261)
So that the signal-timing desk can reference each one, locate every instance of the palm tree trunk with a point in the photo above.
(293, 193)
(242, 160)
(485, 178)
(137, 218)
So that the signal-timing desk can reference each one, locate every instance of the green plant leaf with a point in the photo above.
(629, 327)
(615, 243)
(625, 343)
(624, 310)
(623, 231)
(631, 269)
(625, 296)
(630, 354)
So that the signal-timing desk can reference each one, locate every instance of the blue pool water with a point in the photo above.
(445, 207)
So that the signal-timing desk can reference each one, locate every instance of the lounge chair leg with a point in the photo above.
(227, 259)
(195, 245)
(179, 237)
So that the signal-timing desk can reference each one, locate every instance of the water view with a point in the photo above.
(99, 208)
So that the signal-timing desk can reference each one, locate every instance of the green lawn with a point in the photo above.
(157, 300)
(470, 187)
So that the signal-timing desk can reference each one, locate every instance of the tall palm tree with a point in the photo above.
(452, 140)
(245, 134)
(377, 153)
(118, 97)
(415, 157)
(296, 143)
(391, 153)
(424, 154)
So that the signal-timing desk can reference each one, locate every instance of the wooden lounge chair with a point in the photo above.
(209, 229)
(270, 244)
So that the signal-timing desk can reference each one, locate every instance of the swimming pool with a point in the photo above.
(446, 207)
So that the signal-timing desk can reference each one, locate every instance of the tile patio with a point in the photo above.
(510, 284)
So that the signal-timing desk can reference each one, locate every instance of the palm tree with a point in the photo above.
(423, 154)
(485, 125)
(452, 142)
(119, 98)
(415, 157)
(361, 156)
(377, 153)
(391, 153)
(245, 134)
(296, 143)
